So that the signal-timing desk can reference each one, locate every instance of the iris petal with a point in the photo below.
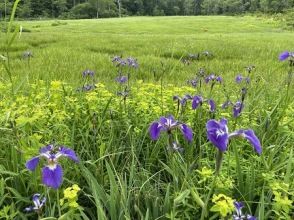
(32, 163)
(187, 132)
(283, 56)
(196, 102)
(217, 133)
(154, 130)
(252, 138)
(67, 152)
(212, 106)
(46, 149)
(52, 177)
(250, 217)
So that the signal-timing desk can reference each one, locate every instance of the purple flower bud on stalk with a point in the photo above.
(237, 109)
(212, 106)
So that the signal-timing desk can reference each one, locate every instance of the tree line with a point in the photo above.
(113, 8)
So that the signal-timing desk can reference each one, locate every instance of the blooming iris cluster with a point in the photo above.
(38, 203)
(197, 101)
(130, 61)
(89, 83)
(238, 212)
(218, 134)
(52, 173)
(167, 124)
(118, 61)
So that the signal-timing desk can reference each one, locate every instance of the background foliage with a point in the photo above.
(110, 8)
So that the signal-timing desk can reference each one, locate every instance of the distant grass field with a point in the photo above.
(64, 51)
(132, 163)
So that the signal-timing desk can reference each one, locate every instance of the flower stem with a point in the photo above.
(58, 203)
(204, 209)
(219, 159)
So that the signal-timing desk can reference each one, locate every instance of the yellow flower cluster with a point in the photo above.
(223, 204)
(70, 196)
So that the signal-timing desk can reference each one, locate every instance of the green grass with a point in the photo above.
(62, 52)
(122, 173)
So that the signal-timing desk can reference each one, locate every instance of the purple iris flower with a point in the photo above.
(218, 134)
(239, 215)
(183, 100)
(239, 78)
(250, 217)
(88, 87)
(121, 79)
(237, 108)
(119, 61)
(197, 101)
(238, 209)
(283, 56)
(132, 62)
(52, 173)
(88, 73)
(168, 124)
(193, 82)
(38, 203)
(213, 78)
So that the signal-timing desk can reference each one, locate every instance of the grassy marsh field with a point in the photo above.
(131, 164)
